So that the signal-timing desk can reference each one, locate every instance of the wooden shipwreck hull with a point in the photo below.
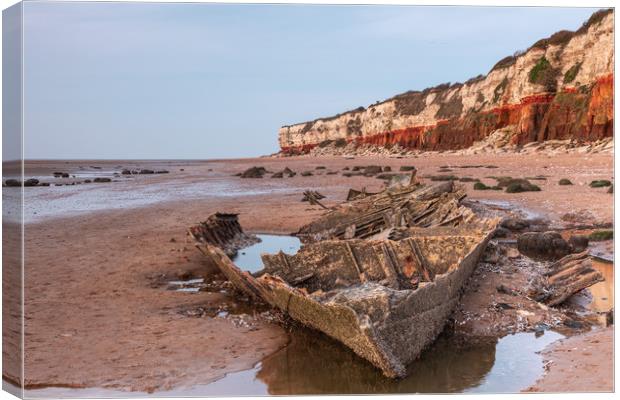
(387, 289)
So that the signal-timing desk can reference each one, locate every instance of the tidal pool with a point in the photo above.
(249, 258)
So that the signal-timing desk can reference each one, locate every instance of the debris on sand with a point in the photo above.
(381, 274)
(358, 194)
(308, 194)
(313, 197)
(254, 172)
(224, 231)
(564, 278)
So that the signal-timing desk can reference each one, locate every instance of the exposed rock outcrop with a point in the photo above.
(560, 88)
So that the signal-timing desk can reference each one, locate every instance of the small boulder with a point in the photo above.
(102, 180)
(501, 232)
(565, 182)
(514, 224)
(373, 170)
(407, 168)
(600, 183)
(521, 185)
(306, 173)
(254, 172)
(578, 243)
(146, 172)
(31, 182)
(126, 172)
(543, 245)
(278, 175)
(12, 183)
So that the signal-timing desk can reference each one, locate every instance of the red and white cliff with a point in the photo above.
(560, 88)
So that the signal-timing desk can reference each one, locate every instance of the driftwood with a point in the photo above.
(566, 277)
(313, 198)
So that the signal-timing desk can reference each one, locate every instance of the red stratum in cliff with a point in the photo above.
(561, 88)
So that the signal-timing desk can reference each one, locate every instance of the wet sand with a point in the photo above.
(579, 364)
(93, 273)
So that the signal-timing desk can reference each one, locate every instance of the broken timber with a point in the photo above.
(224, 231)
(385, 299)
(566, 277)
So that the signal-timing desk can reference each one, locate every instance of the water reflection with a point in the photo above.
(249, 258)
(315, 364)
(603, 292)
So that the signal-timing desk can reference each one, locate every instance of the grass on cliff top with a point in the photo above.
(558, 38)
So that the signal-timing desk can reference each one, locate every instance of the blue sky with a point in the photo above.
(153, 80)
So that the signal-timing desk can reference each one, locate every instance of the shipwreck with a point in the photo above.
(380, 274)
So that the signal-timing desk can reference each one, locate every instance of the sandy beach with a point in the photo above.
(99, 256)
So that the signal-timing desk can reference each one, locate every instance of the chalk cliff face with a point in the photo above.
(560, 88)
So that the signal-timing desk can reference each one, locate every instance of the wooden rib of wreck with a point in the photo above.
(224, 231)
(385, 299)
(564, 278)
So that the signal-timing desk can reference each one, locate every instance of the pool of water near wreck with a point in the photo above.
(249, 258)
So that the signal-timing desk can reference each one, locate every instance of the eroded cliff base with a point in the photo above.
(496, 143)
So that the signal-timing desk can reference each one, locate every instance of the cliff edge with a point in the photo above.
(559, 88)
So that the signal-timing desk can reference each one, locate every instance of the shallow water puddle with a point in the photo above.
(249, 258)
(315, 364)
(189, 286)
(603, 292)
